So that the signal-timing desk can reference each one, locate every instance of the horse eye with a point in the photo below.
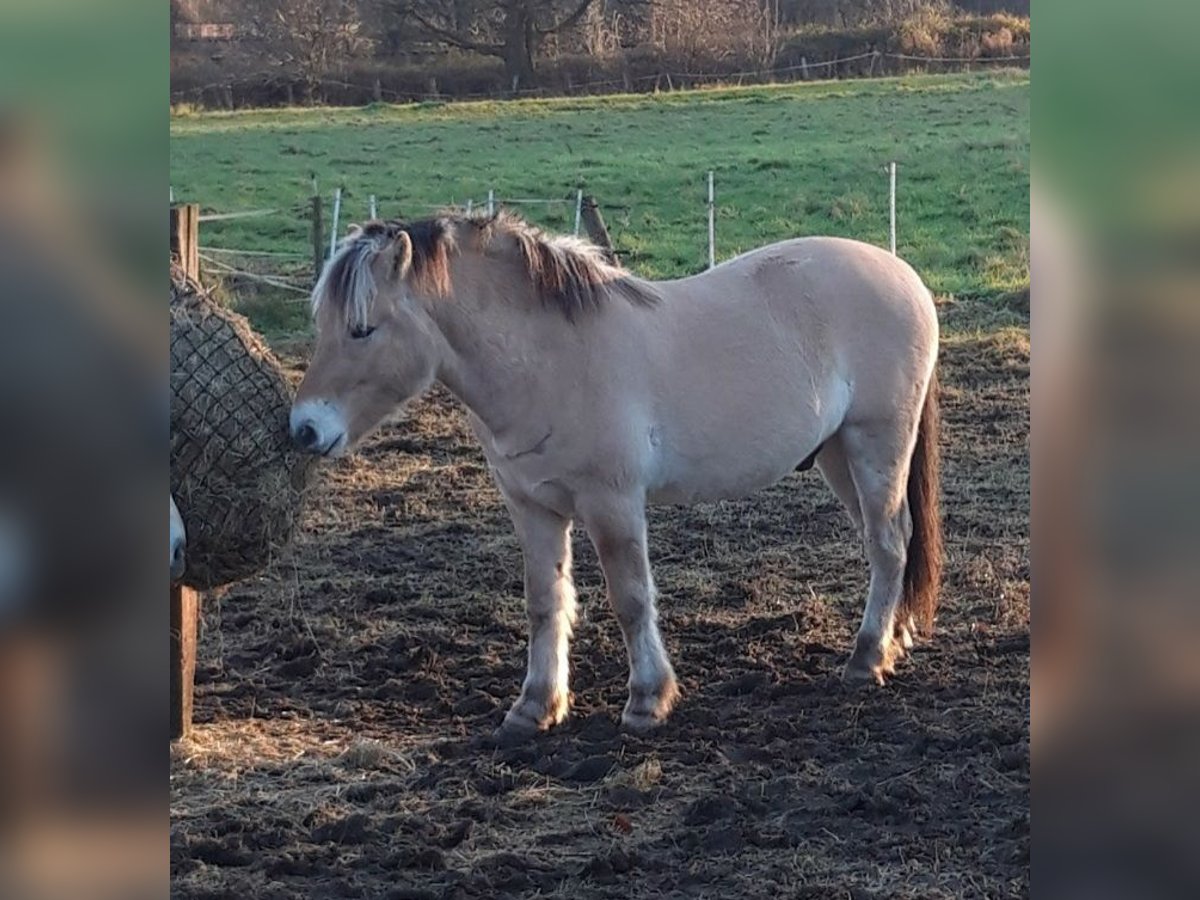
(361, 331)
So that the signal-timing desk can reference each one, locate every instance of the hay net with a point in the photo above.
(238, 482)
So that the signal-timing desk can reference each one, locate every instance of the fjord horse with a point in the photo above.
(595, 393)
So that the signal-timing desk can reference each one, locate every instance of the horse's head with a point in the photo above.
(377, 346)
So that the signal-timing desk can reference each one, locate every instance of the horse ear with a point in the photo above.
(395, 260)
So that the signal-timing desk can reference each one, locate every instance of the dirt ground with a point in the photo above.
(345, 699)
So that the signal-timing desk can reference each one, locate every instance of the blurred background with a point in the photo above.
(1116, 313)
(83, 401)
(84, 93)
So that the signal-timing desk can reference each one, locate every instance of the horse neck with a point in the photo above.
(497, 337)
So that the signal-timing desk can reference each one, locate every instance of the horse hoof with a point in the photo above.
(857, 675)
(514, 730)
(646, 712)
(641, 723)
(505, 736)
(872, 662)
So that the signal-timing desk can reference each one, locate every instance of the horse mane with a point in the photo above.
(568, 274)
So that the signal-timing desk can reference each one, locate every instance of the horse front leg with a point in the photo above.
(618, 531)
(550, 604)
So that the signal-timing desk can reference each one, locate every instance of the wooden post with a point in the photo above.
(185, 612)
(593, 222)
(318, 238)
(185, 238)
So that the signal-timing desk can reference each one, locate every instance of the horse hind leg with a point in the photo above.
(835, 469)
(878, 461)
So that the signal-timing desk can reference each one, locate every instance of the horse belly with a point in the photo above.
(729, 471)
(734, 436)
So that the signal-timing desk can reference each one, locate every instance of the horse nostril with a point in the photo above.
(306, 436)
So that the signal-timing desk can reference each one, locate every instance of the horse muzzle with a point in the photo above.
(178, 560)
(317, 427)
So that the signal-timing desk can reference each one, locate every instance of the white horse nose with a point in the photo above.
(178, 560)
(178, 543)
(317, 427)
(306, 437)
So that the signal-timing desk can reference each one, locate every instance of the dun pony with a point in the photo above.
(595, 394)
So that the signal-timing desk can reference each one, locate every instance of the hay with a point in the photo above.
(238, 482)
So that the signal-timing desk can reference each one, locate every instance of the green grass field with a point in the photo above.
(789, 160)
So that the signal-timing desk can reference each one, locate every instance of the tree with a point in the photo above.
(850, 13)
(311, 37)
(886, 12)
(696, 33)
(512, 30)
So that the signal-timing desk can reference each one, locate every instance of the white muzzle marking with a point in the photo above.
(317, 426)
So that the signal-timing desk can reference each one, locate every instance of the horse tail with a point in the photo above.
(923, 569)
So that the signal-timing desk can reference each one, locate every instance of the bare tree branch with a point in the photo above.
(569, 20)
(452, 37)
(508, 29)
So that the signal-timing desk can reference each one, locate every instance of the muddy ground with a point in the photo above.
(345, 698)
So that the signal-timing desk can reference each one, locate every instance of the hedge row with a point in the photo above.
(199, 81)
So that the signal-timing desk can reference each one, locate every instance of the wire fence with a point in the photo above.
(294, 271)
(629, 82)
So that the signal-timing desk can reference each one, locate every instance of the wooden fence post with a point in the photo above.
(185, 612)
(318, 238)
(593, 223)
(185, 238)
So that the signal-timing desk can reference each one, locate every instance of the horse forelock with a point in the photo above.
(347, 281)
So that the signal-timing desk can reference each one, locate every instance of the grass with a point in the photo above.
(789, 160)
